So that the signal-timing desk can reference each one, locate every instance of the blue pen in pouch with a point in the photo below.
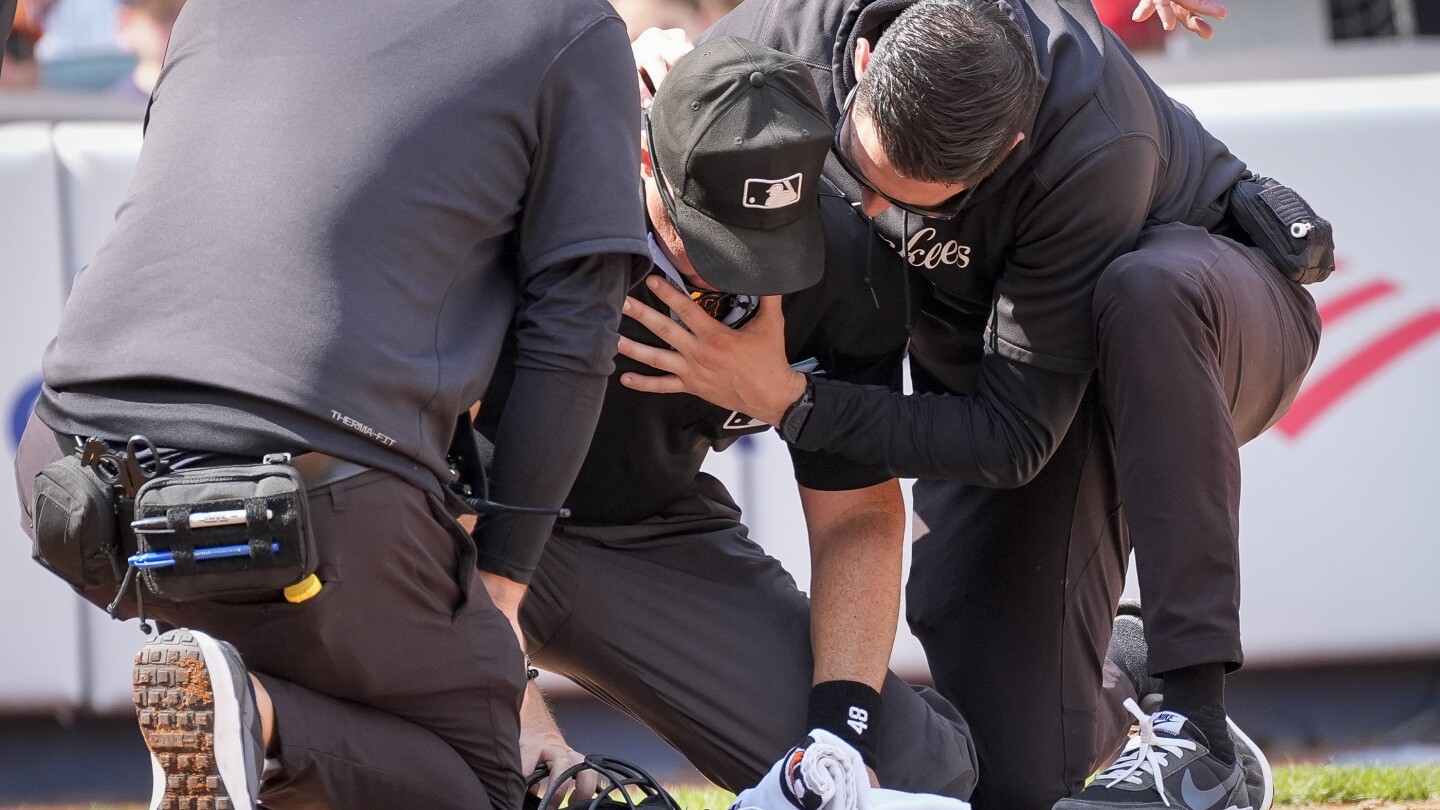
(163, 559)
(235, 532)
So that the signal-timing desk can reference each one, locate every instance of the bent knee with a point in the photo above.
(1137, 296)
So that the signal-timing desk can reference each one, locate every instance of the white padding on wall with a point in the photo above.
(39, 615)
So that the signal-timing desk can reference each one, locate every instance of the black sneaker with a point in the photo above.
(1167, 766)
(1259, 779)
(197, 714)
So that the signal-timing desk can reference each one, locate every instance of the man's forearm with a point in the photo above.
(542, 743)
(999, 436)
(507, 594)
(541, 442)
(565, 347)
(856, 541)
(855, 581)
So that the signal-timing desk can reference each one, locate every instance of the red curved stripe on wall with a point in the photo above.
(1321, 395)
(1336, 309)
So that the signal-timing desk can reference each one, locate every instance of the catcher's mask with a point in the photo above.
(619, 783)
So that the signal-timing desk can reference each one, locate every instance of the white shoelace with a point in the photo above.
(1147, 751)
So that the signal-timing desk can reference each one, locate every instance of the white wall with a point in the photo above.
(1341, 514)
(1341, 552)
(1273, 25)
(39, 608)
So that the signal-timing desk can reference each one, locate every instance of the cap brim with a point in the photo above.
(753, 262)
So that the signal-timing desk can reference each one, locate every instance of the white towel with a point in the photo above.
(882, 799)
(826, 774)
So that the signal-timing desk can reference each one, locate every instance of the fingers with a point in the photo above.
(657, 50)
(689, 312)
(1200, 26)
(586, 783)
(1194, 22)
(1209, 8)
(667, 384)
(1186, 13)
(653, 356)
(1149, 8)
(557, 797)
(558, 758)
(659, 324)
(1167, 14)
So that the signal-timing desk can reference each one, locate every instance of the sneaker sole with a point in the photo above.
(1265, 772)
(185, 700)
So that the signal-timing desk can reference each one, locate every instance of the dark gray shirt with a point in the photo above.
(339, 211)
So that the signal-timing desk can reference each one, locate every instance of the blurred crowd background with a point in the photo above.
(116, 47)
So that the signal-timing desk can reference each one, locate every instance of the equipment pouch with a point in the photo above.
(75, 531)
(223, 531)
(1287, 230)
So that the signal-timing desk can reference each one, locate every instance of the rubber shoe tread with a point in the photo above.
(174, 692)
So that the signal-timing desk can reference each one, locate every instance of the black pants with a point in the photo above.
(1201, 345)
(684, 623)
(399, 684)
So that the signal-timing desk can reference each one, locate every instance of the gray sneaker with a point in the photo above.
(197, 714)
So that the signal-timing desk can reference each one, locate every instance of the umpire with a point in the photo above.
(1069, 217)
(652, 595)
(334, 223)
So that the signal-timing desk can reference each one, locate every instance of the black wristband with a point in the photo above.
(850, 710)
(795, 416)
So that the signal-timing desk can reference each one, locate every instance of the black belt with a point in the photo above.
(317, 469)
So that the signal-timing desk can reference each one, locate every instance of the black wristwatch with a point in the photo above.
(794, 419)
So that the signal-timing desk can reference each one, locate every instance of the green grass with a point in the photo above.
(1295, 786)
(703, 798)
(1303, 785)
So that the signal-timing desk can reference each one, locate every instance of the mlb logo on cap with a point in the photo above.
(772, 193)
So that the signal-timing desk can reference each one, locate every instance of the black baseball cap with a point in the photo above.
(738, 132)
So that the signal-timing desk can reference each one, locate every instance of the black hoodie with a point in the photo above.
(1007, 320)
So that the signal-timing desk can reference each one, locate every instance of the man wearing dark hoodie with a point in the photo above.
(1071, 219)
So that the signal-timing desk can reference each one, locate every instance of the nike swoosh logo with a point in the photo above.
(1198, 799)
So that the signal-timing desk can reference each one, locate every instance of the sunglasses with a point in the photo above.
(660, 182)
(945, 210)
(731, 309)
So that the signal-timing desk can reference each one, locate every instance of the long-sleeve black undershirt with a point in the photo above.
(1000, 435)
